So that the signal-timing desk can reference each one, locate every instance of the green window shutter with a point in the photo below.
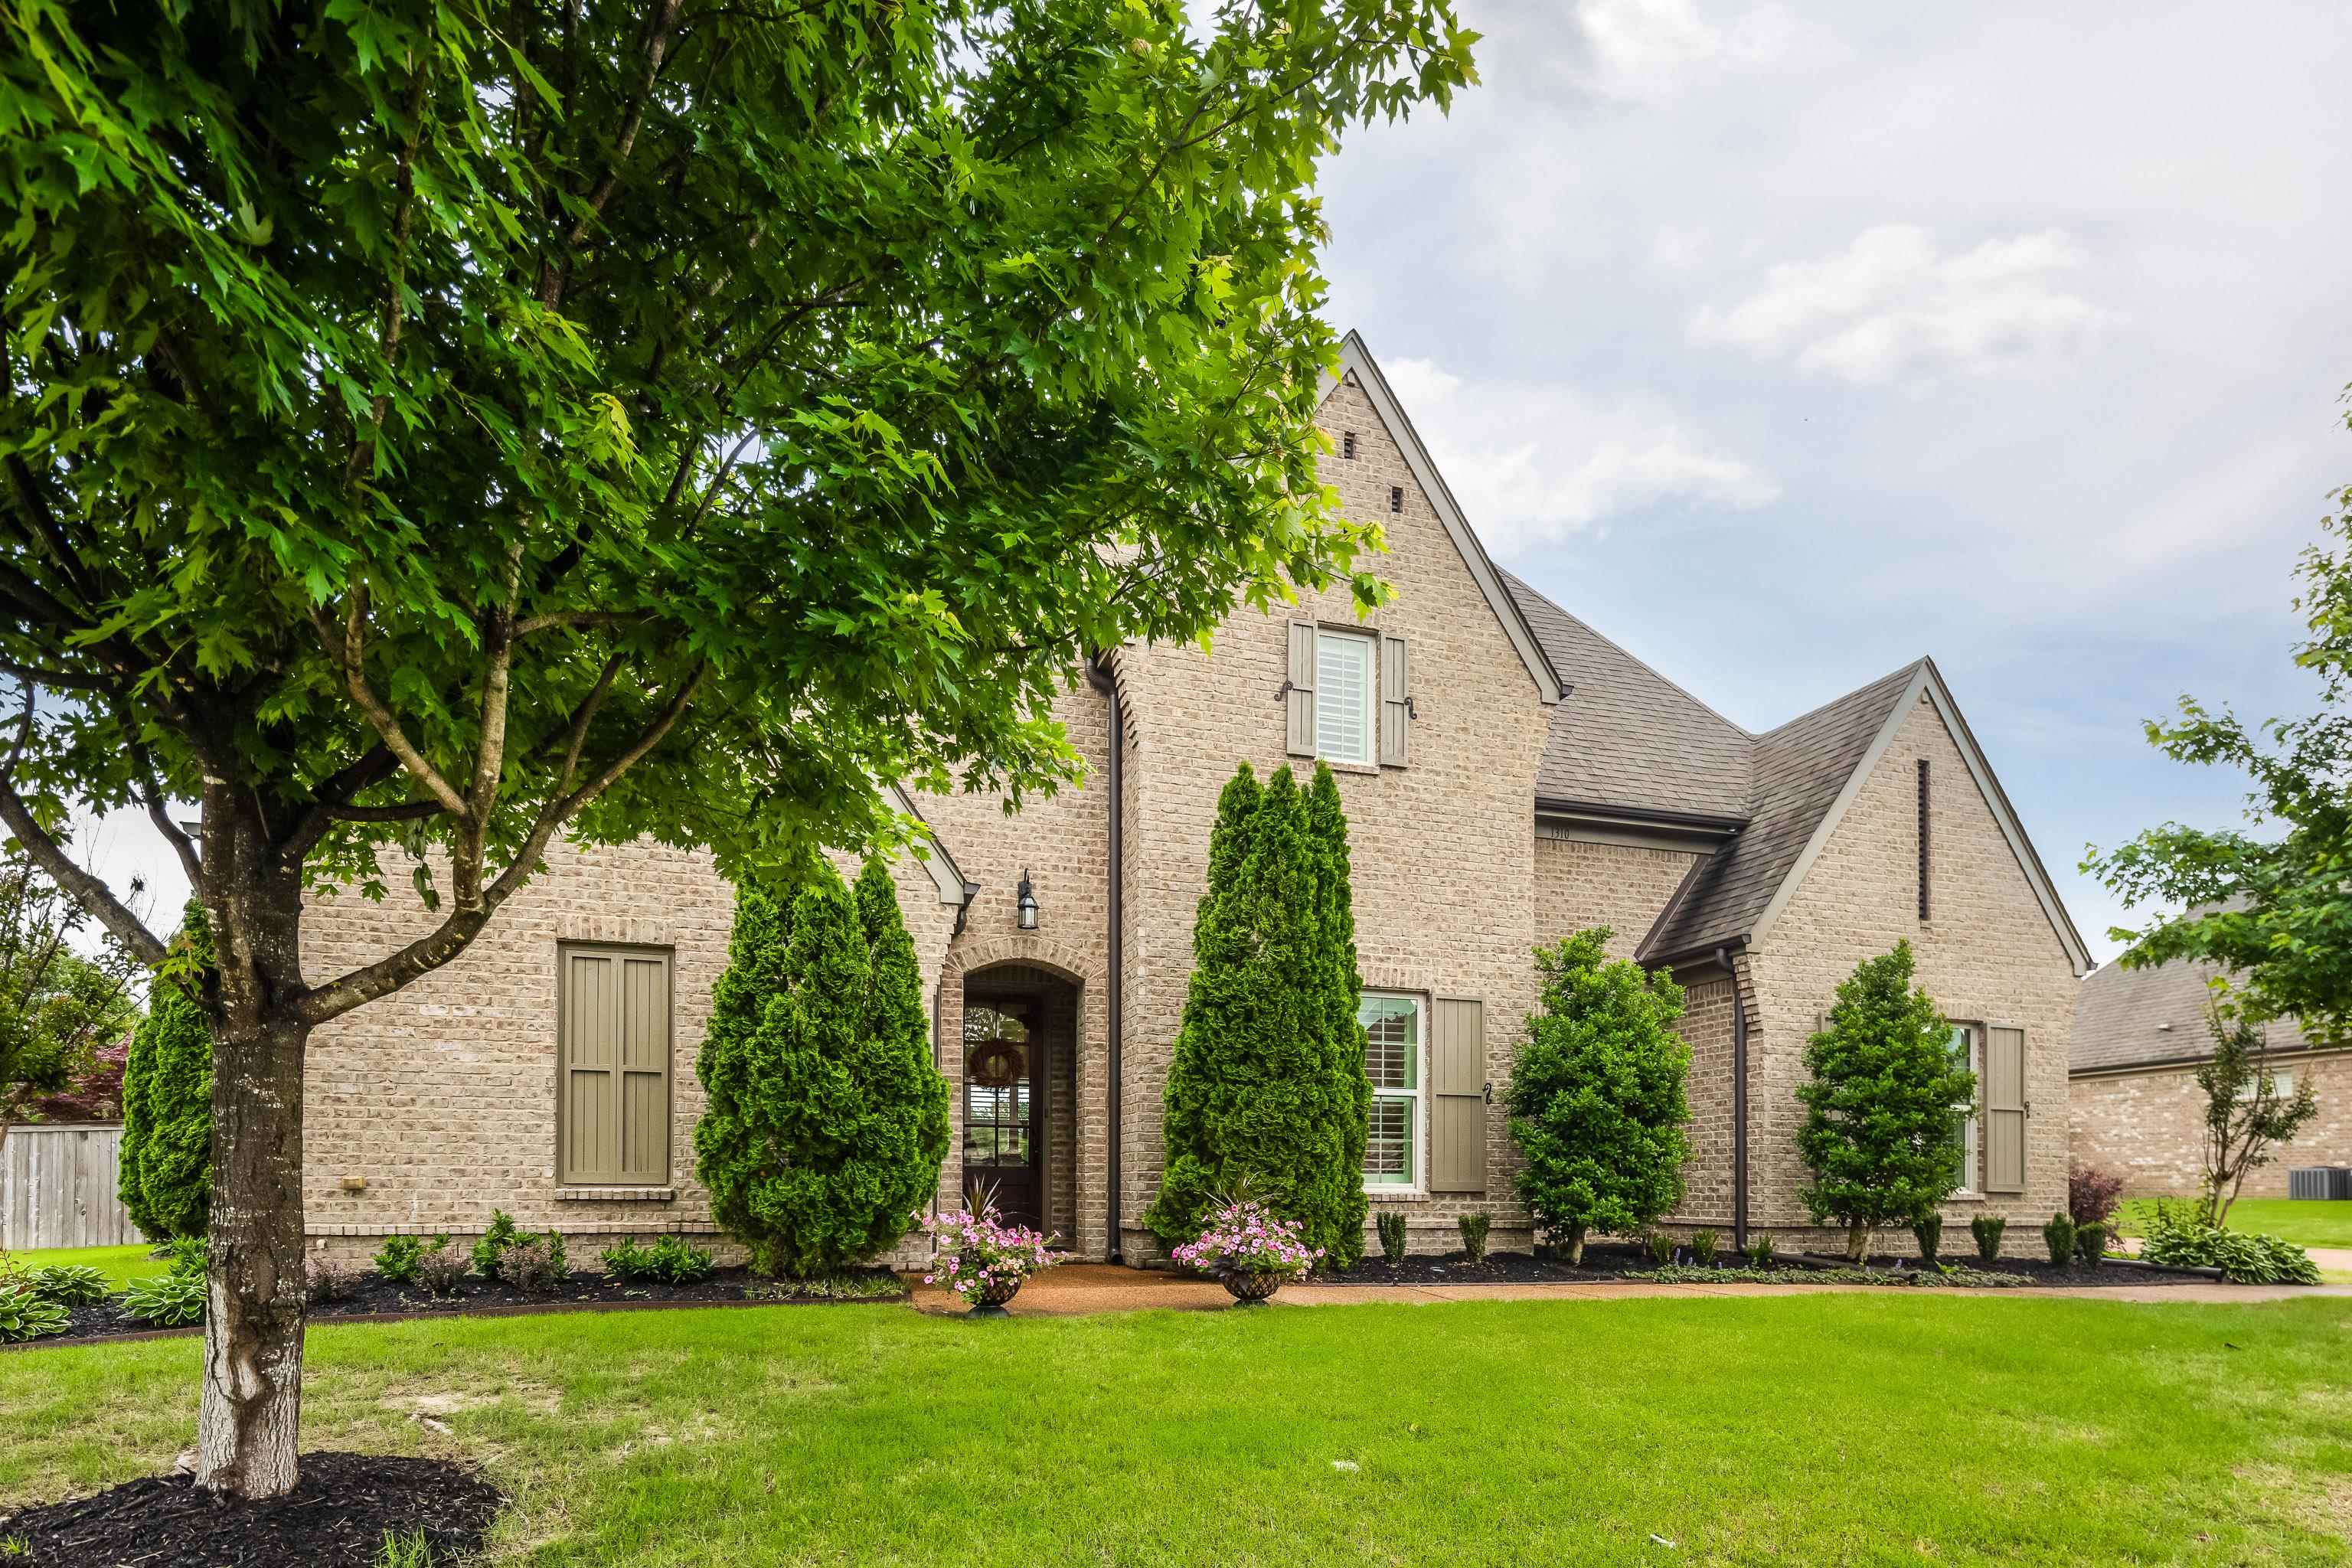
(614, 1088)
(1299, 694)
(1457, 1086)
(2005, 1110)
(1396, 711)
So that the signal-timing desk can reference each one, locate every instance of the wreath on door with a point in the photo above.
(998, 1065)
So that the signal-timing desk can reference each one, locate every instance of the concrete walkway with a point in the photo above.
(1078, 1289)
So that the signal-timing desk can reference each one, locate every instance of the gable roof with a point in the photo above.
(1801, 770)
(1626, 736)
(1357, 365)
(1629, 740)
(2149, 1017)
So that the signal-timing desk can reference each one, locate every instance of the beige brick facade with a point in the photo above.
(2148, 1127)
(430, 1106)
(1986, 954)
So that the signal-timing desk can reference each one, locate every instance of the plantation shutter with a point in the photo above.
(612, 1106)
(1298, 695)
(1457, 1085)
(1396, 717)
(2004, 1108)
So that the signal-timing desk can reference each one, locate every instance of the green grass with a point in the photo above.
(120, 1265)
(1801, 1429)
(2307, 1224)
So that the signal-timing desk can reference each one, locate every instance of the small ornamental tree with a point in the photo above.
(2246, 1117)
(1266, 1093)
(1885, 1107)
(166, 1173)
(826, 1121)
(1597, 1098)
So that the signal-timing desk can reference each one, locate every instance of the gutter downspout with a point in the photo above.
(1739, 1104)
(1099, 679)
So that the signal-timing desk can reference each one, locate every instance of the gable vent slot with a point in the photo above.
(1347, 444)
(1396, 497)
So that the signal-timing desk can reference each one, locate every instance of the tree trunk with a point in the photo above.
(247, 1426)
(1575, 1245)
(1857, 1242)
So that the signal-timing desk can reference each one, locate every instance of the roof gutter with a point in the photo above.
(1683, 821)
(1099, 679)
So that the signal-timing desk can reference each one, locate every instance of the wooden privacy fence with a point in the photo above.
(57, 1187)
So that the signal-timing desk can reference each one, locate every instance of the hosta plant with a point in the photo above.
(2180, 1237)
(166, 1301)
(1244, 1237)
(980, 1257)
(26, 1316)
(68, 1284)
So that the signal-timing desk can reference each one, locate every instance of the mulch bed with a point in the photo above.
(376, 1299)
(1607, 1261)
(337, 1514)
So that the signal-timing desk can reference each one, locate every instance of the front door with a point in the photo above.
(1003, 1153)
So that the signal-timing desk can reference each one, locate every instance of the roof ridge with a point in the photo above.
(1520, 583)
(1905, 671)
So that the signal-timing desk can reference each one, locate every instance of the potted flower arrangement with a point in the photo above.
(980, 1257)
(1249, 1251)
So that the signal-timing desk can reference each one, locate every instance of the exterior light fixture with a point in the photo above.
(1025, 905)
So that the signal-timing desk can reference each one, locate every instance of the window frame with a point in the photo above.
(1415, 1098)
(1972, 1125)
(1368, 642)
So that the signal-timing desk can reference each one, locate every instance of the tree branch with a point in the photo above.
(348, 654)
(85, 890)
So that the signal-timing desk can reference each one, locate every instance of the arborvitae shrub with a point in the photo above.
(1473, 1228)
(165, 1175)
(1597, 1098)
(1987, 1229)
(2058, 1236)
(1266, 1092)
(826, 1121)
(1929, 1232)
(2091, 1242)
(1393, 1236)
(1885, 1105)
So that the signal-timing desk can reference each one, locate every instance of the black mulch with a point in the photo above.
(373, 1296)
(337, 1514)
(1605, 1261)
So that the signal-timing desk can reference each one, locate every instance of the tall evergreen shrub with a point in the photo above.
(826, 1121)
(165, 1177)
(1597, 1097)
(1266, 1090)
(1885, 1106)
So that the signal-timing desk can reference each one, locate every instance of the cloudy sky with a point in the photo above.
(1787, 344)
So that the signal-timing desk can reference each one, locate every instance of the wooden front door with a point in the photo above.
(1003, 1119)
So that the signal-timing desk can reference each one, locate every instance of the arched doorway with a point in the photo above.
(1018, 1031)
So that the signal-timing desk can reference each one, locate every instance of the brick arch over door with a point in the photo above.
(1091, 1131)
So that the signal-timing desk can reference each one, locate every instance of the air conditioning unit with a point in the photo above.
(2320, 1182)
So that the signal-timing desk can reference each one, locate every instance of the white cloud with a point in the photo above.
(1647, 49)
(1891, 300)
(1534, 464)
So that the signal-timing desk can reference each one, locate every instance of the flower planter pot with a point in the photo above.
(993, 1298)
(1250, 1289)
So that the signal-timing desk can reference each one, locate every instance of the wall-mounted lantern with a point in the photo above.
(1025, 905)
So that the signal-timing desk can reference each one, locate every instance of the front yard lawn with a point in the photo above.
(1847, 1428)
(2307, 1223)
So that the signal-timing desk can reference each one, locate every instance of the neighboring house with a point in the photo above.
(2139, 1036)
(1510, 776)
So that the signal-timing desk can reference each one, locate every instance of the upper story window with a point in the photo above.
(1343, 696)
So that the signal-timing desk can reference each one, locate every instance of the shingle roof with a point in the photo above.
(2133, 1017)
(1800, 769)
(1625, 735)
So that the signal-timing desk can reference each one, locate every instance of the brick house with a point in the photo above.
(1510, 776)
(2132, 1093)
